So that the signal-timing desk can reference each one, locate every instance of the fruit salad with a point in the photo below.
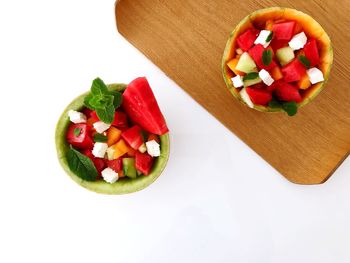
(274, 63)
(116, 135)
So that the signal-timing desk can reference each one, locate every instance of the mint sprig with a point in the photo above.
(251, 75)
(81, 165)
(77, 132)
(269, 37)
(103, 101)
(267, 57)
(100, 138)
(304, 60)
(290, 107)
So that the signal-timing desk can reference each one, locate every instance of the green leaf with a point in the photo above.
(267, 57)
(269, 37)
(106, 114)
(117, 98)
(274, 103)
(77, 132)
(101, 101)
(81, 165)
(251, 75)
(98, 87)
(304, 60)
(290, 107)
(87, 101)
(100, 137)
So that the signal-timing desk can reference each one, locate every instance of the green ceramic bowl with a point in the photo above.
(122, 186)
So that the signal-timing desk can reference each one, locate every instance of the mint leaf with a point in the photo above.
(251, 75)
(77, 132)
(87, 102)
(304, 60)
(101, 101)
(267, 57)
(274, 103)
(269, 37)
(81, 165)
(117, 101)
(106, 114)
(98, 87)
(100, 137)
(290, 107)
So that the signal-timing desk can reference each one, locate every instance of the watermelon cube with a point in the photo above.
(246, 40)
(256, 53)
(287, 92)
(259, 96)
(311, 52)
(293, 71)
(283, 31)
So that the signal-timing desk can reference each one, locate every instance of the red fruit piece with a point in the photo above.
(133, 137)
(98, 162)
(120, 120)
(311, 52)
(93, 116)
(87, 112)
(246, 40)
(256, 53)
(78, 136)
(116, 165)
(293, 71)
(143, 162)
(283, 31)
(277, 44)
(142, 108)
(287, 92)
(259, 96)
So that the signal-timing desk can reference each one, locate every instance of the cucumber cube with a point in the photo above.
(245, 63)
(251, 82)
(285, 55)
(129, 167)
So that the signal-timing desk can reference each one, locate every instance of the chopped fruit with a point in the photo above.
(284, 30)
(246, 40)
(277, 44)
(143, 148)
(245, 97)
(117, 150)
(245, 63)
(276, 73)
(129, 167)
(113, 135)
(143, 162)
(116, 164)
(120, 120)
(293, 71)
(285, 55)
(131, 152)
(239, 51)
(269, 25)
(121, 145)
(311, 52)
(287, 92)
(142, 108)
(263, 37)
(251, 82)
(259, 96)
(153, 137)
(76, 116)
(266, 77)
(315, 75)
(298, 28)
(298, 41)
(232, 64)
(237, 81)
(93, 115)
(304, 82)
(256, 53)
(109, 175)
(78, 136)
(133, 137)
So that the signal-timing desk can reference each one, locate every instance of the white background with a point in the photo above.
(217, 200)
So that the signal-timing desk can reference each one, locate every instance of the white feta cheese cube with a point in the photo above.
(100, 126)
(245, 97)
(153, 148)
(298, 41)
(76, 116)
(237, 81)
(315, 75)
(261, 39)
(266, 77)
(99, 149)
(109, 175)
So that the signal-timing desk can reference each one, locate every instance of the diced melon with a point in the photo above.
(304, 82)
(251, 82)
(245, 97)
(232, 65)
(285, 55)
(245, 63)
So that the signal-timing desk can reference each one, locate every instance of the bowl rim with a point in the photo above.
(124, 186)
(232, 39)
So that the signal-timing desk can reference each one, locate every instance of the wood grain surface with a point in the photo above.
(186, 39)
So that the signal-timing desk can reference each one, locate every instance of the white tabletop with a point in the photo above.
(217, 200)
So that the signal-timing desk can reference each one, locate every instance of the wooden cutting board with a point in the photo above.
(186, 39)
